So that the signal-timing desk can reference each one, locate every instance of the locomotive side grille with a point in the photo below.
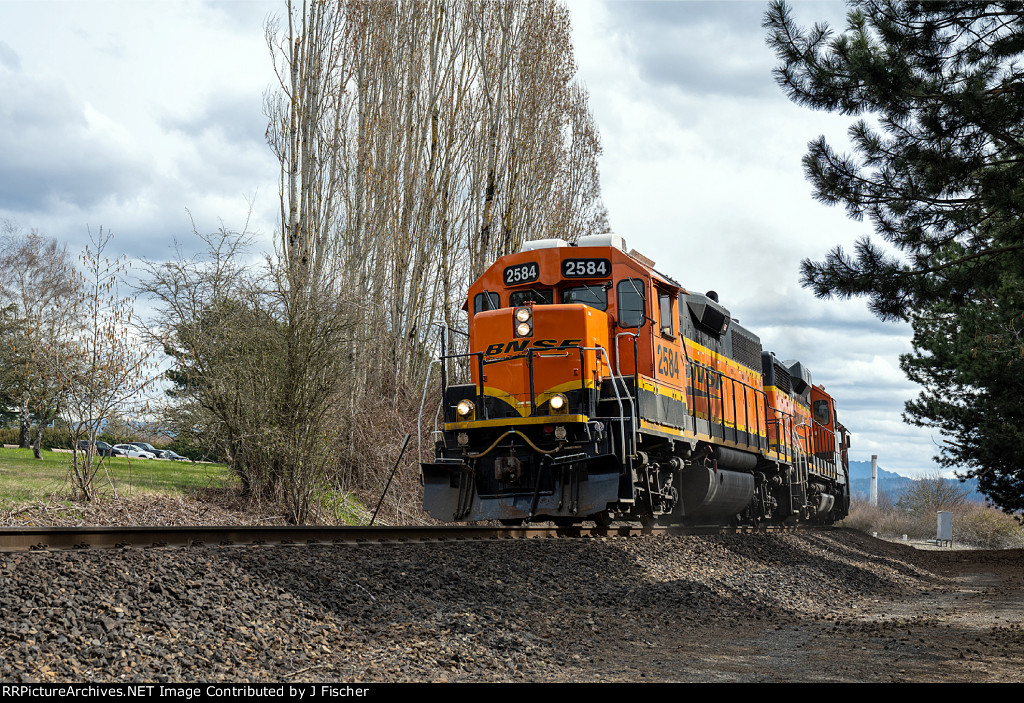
(782, 379)
(746, 349)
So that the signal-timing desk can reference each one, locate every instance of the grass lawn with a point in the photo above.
(25, 479)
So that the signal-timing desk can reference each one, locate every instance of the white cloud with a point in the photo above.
(124, 114)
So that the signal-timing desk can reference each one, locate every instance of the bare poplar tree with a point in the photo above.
(308, 288)
(418, 140)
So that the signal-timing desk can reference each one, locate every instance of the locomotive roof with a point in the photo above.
(612, 253)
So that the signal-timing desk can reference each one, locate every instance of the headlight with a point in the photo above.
(523, 322)
(558, 402)
(465, 408)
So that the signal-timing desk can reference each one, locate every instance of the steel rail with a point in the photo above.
(19, 539)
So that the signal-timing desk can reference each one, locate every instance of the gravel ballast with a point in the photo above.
(727, 608)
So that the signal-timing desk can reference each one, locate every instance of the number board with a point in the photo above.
(586, 268)
(521, 273)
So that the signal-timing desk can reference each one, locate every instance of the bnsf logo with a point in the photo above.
(522, 344)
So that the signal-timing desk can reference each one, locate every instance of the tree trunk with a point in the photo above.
(37, 442)
(24, 429)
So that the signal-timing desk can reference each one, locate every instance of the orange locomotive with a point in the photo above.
(601, 389)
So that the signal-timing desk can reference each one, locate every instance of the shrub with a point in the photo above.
(928, 495)
(974, 524)
(863, 516)
(52, 437)
(988, 528)
(194, 450)
(9, 435)
(60, 438)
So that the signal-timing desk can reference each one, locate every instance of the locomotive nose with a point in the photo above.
(537, 375)
(537, 358)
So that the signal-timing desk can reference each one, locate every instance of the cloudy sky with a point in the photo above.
(144, 117)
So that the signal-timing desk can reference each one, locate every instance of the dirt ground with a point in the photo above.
(963, 624)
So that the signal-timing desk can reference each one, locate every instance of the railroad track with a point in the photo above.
(18, 539)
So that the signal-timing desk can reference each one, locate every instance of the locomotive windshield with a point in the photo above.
(486, 301)
(595, 295)
(540, 296)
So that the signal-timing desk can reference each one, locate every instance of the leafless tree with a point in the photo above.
(37, 289)
(108, 370)
(931, 494)
(418, 140)
(203, 317)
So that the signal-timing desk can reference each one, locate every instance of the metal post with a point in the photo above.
(386, 487)
(874, 480)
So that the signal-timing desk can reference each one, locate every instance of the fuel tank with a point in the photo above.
(708, 494)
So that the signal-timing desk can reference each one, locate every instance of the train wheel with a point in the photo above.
(566, 521)
(512, 522)
(602, 519)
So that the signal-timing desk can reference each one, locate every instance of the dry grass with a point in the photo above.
(138, 509)
(974, 524)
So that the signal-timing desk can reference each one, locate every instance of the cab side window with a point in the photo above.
(821, 413)
(666, 319)
(630, 302)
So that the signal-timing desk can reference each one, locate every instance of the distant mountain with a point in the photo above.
(893, 484)
(862, 469)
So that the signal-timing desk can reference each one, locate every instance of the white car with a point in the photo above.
(130, 451)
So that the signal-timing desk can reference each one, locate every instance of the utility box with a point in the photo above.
(945, 528)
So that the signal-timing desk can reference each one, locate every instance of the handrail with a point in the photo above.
(442, 328)
(634, 412)
(616, 379)
(423, 400)
(759, 394)
(618, 398)
(821, 439)
(800, 451)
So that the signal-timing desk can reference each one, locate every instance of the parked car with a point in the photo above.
(102, 448)
(130, 451)
(146, 447)
(173, 456)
